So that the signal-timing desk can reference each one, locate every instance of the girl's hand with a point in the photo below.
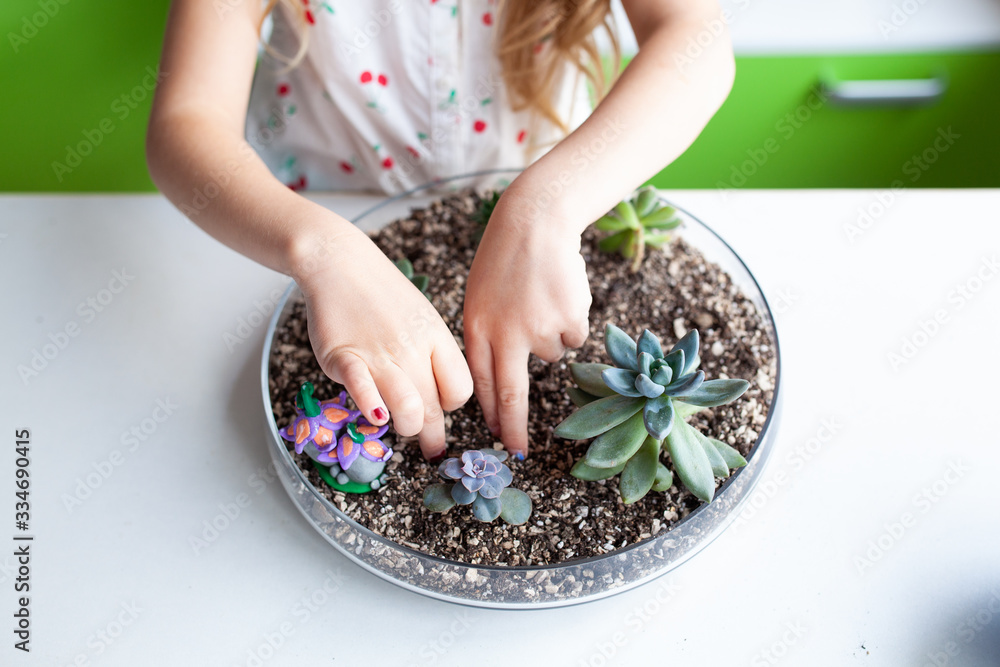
(527, 293)
(376, 334)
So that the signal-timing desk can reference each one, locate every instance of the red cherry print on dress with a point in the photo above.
(479, 126)
(387, 163)
(413, 152)
(521, 136)
(383, 80)
(310, 19)
(346, 167)
(298, 185)
(366, 77)
(487, 19)
(284, 89)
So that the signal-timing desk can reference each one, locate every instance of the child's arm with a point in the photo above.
(370, 328)
(528, 290)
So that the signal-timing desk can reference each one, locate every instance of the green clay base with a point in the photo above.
(350, 487)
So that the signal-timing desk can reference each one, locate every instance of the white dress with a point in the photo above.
(393, 94)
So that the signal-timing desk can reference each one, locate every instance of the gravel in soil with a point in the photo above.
(675, 290)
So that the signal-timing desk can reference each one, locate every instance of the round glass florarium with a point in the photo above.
(534, 586)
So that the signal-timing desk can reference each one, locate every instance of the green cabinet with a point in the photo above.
(782, 126)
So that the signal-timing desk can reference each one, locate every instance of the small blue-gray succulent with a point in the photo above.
(480, 479)
(639, 407)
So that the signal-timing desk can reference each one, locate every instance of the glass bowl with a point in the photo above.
(539, 586)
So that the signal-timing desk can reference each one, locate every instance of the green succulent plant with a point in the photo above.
(636, 223)
(481, 216)
(638, 406)
(419, 280)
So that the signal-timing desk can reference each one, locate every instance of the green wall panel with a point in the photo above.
(76, 76)
(75, 73)
(779, 130)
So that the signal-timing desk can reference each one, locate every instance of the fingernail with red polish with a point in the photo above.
(437, 458)
(380, 414)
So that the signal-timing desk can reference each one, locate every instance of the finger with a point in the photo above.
(550, 350)
(349, 370)
(577, 335)
(511, 366)
(405, 403)
(452, 376)
(432, 436)
(480, 358)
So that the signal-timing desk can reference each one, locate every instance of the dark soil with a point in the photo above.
(675, 290)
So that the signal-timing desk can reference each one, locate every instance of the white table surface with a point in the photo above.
(785, 579)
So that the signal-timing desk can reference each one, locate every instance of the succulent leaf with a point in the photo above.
(645, 363)
(714, 392)
(690, 461)
(689, 344)
(645, 201)
(621, 381)
(588, 378)
(684, 410)
(486, 509)
(406, 267)
(650, 344)
(462, 495)
(675, 362)
(656, 239)
(662, 218)
(610, 223)
(626, 212)
(597, 417)
(614, 242)
(437, 498)
(647, 387)
(515, 506)
(579, 397)
(663, 375)
(500, 454)
(659, 416)
(591, 474)
(640, 472)
(719, 467)
(729, 454)
(617, 445)
(421, 282)
(620, 347)
(664, 478)
(687, 384)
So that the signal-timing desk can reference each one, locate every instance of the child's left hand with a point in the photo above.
(527, 293)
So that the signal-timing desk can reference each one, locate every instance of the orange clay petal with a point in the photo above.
(335, 414)
(324, 436)
(374, 448)
(301, 432)
(367, 430)
(346, 446)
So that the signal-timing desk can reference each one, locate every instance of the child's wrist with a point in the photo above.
(314, 243)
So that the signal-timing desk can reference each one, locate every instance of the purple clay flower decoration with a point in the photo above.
(317, 423)
(360, 438)
(478, 473)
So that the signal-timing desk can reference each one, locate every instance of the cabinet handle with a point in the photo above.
(893, 92)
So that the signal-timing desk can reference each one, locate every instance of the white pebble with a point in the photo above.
(717, 348)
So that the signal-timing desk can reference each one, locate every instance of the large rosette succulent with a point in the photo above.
(480, 479)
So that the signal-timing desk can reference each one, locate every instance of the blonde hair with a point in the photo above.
(537, 39)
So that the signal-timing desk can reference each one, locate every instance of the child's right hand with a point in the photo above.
(376, 334)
